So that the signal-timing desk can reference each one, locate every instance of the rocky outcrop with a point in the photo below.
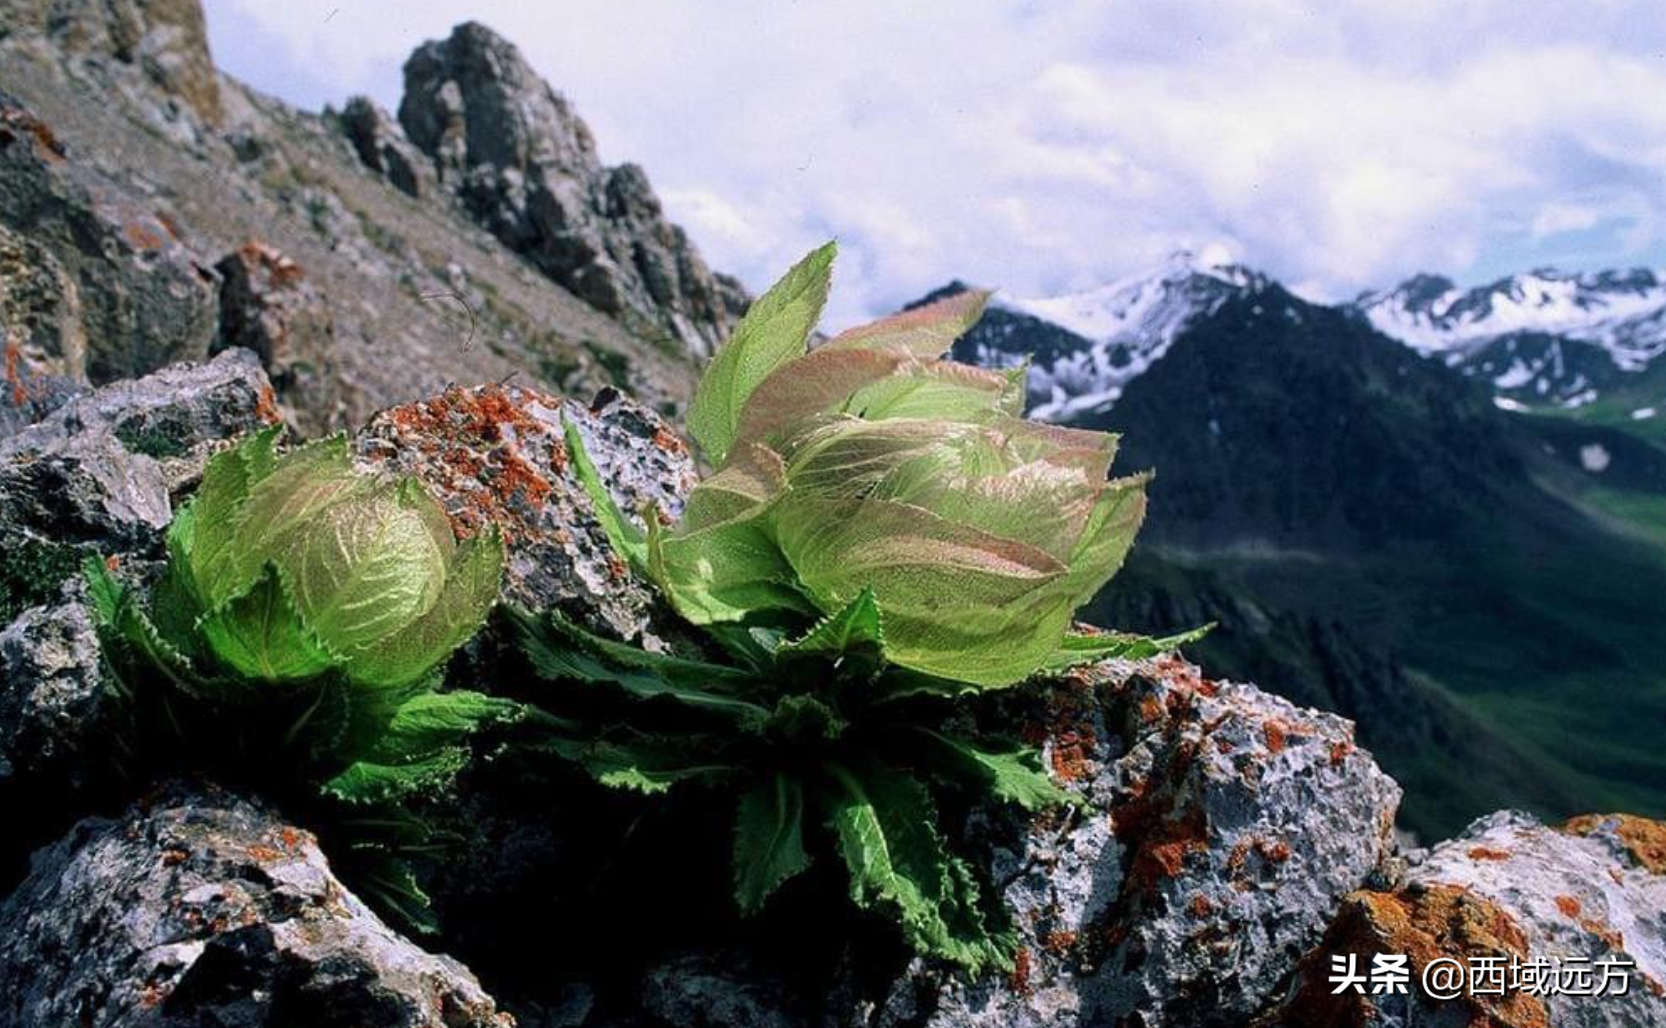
(199, 908)
(1223, 826)
(145, 297)
(1586, 900)
(497, 455)
(166, 39)
(526, 167)
(381, 144)
(269, 306)
(53, 693)
(97, 476)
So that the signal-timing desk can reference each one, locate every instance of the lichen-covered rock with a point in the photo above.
(382, 145)
(54, 697)
(1509, 890)
(526, 167)
(1223, 826)
(165, 39)
(198, 908)
(145, 296)
(98, 474)
(40, 312)
(268, 305)
(496, 455)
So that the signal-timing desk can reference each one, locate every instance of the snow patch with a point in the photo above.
(1594, 457)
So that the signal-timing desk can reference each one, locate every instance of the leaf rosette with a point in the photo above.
(882, 538)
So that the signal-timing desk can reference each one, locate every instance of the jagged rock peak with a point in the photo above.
(167, 39)
(526, 167)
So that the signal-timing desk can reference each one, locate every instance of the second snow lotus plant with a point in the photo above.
(882, 539)
(297, 575)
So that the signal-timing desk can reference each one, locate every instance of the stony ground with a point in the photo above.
(183, 262)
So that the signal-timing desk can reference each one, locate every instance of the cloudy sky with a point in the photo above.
(1044, 146)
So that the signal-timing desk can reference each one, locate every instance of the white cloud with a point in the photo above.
(1045, 146)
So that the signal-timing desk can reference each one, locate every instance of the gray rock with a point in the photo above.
(145, 296)
(526, 168)
(198, 908)
(1510, 889)
(269, 306)
(54, 698)
(1224, 824)
(381, 144)
(496, 455)
(97, 475)
(166, 39)
(715, 990)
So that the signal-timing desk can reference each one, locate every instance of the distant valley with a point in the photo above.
(1463, 554)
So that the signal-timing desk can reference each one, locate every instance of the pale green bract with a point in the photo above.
(297, 565)
(881, 538)
(871, 463)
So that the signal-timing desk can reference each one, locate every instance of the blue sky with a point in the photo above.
(1044, 147)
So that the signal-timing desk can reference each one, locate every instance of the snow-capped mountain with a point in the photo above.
(1086, 347)
(1545, 336)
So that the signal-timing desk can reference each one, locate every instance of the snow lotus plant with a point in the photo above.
(882, 538)
(298, 573)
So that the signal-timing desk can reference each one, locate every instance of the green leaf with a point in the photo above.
(858, 627)
(364, 570)
(560, 649)
(1015, 775)
(367, 781)
(885, 824)
(304, 483)
(207, 532)
(261, 635)
(959, 603)
(422, 747)
(769, 839)
(472, 584)
(722, 564)
(392, 885)
(625, 537)
(926, 331)
(120, 618)
(643, 763)
(1077, 649)
(773, 332)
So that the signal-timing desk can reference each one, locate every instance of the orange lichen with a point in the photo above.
(668, 441)
(14, 120)
(1340, 751)
(1488, 853)
(1019, 980)
(1059, 942)
(1568, 906)
(1275, 732)
(266, 406)
(141, 236)
(1427, 924)
(1644, 839)
(1201, 907)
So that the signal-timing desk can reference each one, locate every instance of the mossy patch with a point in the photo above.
(159, 441)
(31, 572)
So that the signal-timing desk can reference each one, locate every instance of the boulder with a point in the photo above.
(497, 455)
(200, 908)
(145, 297)
(97, 475)
(1223, 826)
(269, 306)
(1509, 890)
(54, 699)
(381, 144)
(526, 168)
(167, 40)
